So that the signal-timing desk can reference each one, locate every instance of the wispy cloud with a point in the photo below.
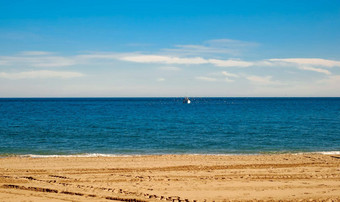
(309, 61)
(42, 59)
(227, 74)
(48, 59)
(42, 74)
(230, 63)
(308, 64)
(198, 50)
(160, 59)
(230, 43)
(37, 61)
(324, 71)
(211, 47)
(100, 55)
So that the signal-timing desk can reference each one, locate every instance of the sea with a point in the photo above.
(42, 127)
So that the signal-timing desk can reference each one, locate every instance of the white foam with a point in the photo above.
(329, 152)
(76, 155)
(119, 155)
(319, 152)
(134, 155)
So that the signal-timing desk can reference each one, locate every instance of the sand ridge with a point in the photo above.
(286, 177)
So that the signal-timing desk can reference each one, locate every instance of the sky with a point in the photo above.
(169, 48)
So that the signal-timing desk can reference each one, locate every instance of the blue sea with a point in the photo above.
(139, 126)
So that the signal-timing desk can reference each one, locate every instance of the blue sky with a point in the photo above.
(169, 48)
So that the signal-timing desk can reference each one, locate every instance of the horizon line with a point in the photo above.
(176, 97)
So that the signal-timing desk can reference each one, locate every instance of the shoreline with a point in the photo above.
(286, 177)
(84, 155)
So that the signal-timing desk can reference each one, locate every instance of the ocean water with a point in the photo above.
(133, 126)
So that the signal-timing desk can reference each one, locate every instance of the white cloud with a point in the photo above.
(324, 71)
(164, 59)
(230, 43)
(42, 74)
(37, 61)
(47, 59)
(204, 78)
(210, 47)
(230, 63)
(309, 61)
(161, 59)
(198, 50)
(52, 61)
(100, 55)
(308, 64)
(229, 74)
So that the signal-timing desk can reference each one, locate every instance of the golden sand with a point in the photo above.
(284, 177)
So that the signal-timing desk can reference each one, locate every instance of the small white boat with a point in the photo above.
(186, 100)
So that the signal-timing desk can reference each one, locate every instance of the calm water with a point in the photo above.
(165, 125)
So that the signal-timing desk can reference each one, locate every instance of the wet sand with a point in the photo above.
(284, 177)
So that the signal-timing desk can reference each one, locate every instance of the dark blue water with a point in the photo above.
(166, 125)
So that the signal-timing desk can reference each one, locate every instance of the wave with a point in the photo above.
(76, 155)
(329, 152)
(135, 155)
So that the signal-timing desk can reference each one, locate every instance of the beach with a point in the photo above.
(287, 177)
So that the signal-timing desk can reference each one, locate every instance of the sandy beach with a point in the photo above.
(286, 177)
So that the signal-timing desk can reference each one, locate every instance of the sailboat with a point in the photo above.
(186, 100)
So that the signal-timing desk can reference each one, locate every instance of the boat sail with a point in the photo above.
(186, 100)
